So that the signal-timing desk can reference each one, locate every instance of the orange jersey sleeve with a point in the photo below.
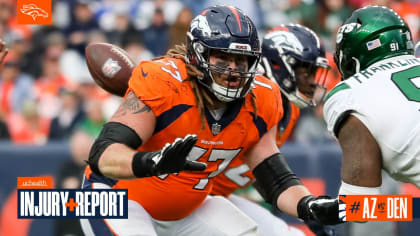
(287, 123)
(269, 104)
(158, 83)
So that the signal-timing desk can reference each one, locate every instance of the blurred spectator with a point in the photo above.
(96, 36)
(71, 173)
(178, 31)
(274, 13)
(146, 9)
(6, 12)
(20, 44)
(136, 50)
(48, 85)
(73, 64)
(115, 19)
(302, 12)
(331, 16)
(70, 115)
(4, 131)
(61, 14)
(70, 177)
(156, 37)
(15, 87)
(28, 127)
(410, 11)
(249, 7)
(81, 24)
(123, 28)
(196, 6)
(93, 122)
(3, 51)
(92, 91)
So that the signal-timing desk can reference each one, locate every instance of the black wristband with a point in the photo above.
(143, 165)
(273, 176)
(302, 207)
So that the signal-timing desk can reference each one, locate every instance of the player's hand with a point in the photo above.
(3, 51)
(173, 157)
(322, 209)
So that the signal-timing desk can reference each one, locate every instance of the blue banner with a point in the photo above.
(72, 203)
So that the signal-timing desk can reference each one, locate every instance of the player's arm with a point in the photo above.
(265, 161)
(362, 160)
(114, 154)
(3, 51)
(279, 185)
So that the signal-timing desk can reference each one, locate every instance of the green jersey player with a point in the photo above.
(375, 111)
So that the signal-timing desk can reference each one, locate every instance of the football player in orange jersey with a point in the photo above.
(292, 56)
(184, 118)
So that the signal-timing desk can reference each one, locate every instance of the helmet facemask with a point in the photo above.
(294, 57)
(295, 85)
(310, 80)
(238, 82)
(226, 29)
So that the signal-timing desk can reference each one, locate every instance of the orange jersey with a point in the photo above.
(287, 123)
(237, 174)
(162, 85)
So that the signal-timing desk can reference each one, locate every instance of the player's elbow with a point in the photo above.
(113, 149)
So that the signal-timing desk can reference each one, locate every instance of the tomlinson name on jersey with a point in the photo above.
(66, 203)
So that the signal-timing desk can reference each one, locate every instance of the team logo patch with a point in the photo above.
(200, 23)
(110, 68)
(285, 39)
(216, 128)
(34, 12)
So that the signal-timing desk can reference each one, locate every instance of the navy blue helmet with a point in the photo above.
(288, 47)
(227, 29)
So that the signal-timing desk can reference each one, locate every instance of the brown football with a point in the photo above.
(110, 67)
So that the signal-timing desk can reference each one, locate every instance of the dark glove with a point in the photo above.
(322, 209)
(171, 159)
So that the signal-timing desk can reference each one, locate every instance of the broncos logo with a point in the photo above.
(286, 40)
(34, 11)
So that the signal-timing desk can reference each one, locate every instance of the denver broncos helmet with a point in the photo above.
(370, 34)
(228, 29)
(290, 46)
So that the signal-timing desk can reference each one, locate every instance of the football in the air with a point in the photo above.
(110, 67)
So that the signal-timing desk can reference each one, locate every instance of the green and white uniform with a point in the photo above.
(386, 98)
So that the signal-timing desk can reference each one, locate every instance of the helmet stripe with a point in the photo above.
(284, 28)
(235, 12)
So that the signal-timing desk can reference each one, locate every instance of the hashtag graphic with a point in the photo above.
(355, 207)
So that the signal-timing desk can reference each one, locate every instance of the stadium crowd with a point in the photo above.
(46, 91)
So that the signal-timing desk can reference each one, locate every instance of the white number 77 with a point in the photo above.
(216, 154)
(175, 74)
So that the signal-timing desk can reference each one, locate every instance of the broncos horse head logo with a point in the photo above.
(34, 11)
